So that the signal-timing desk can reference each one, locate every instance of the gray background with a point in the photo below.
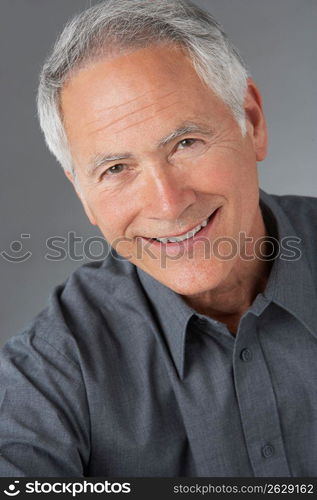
(279, 42)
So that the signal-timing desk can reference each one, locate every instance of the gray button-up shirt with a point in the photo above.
(119, 377)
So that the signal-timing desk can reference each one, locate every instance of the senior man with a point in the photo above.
(189, 351)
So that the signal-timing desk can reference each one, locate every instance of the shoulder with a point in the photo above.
(297, 205)
(80, 311)
(301, 211)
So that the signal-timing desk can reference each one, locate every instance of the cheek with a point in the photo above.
(108, 213)
(219, 177)
(113, 215)
(233, 175)
(233, 171)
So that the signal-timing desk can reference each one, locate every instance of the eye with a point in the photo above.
(188, 149)
(186, 143)
(114, 170)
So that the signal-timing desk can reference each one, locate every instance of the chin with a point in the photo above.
(194, 282)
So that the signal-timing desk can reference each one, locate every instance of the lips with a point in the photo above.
(186, 238)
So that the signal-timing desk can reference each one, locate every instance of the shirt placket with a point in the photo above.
(257, 404)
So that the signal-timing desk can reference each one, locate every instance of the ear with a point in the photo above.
(256, 124)
(88, 211)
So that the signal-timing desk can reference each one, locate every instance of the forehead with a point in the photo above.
(138, 92)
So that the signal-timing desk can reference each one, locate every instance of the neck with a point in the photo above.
(228, 301)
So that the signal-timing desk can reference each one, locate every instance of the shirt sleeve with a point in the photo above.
(44, 417)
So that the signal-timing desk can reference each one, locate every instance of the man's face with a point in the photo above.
(156, 153)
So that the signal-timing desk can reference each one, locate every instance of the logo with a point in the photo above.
(16, 248)
(12, 491)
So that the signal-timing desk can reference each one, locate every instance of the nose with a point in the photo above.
(166, 194)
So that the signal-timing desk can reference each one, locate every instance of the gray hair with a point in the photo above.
(122, 25)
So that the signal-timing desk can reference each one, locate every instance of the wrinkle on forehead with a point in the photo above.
(131, 113)
(134, 123)
(113, 108)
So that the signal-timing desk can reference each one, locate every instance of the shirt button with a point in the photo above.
(246, 354)
(267, 451)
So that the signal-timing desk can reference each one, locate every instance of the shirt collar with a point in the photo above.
(173, 315)
(289, 285)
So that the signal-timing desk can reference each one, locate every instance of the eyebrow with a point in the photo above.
(102, 159)
(187, 128)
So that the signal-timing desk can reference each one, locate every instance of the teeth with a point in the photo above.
(186, 236)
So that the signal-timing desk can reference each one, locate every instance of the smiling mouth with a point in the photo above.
(188, 235)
